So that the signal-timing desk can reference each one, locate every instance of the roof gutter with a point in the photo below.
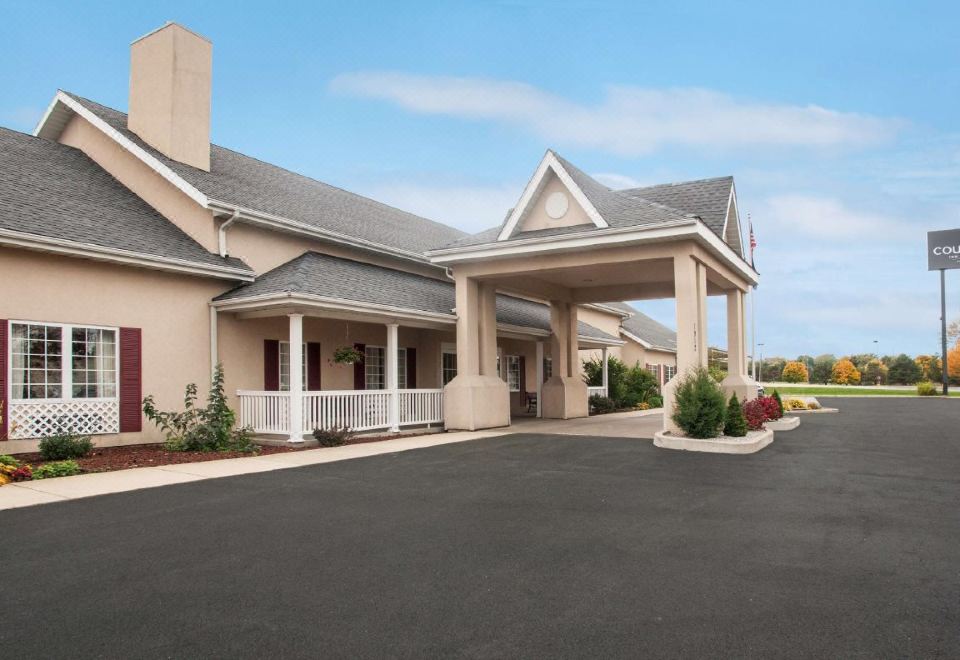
(222, 233)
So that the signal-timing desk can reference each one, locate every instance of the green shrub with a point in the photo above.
(201, 429)
(699, 408)
(65, 445)
(9, 460)
(926, 388)
(628, 387)
(656, 401)
(334, 437)
(56, 469)
(776, 396)
(736, 424)
(717, 373)
(601, 404)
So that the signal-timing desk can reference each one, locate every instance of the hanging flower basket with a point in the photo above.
(347, 355)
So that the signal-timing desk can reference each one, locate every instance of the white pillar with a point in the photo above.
(539, 379)
(606, 373)
(391, 373)
(214, 350)
(296, 377)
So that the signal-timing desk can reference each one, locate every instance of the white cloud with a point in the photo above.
(469, 208)
(629, 120)
(829, 218)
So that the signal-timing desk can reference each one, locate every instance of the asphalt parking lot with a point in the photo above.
(841, 539)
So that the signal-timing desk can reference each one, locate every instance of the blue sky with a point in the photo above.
(837, 119)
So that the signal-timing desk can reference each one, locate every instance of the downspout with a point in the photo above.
(222, 232)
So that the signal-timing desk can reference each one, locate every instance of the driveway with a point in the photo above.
(841, 539)
(637, 424)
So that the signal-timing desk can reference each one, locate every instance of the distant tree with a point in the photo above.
(904, 371)
(807, 361)
(795, 372)
(930, 366)
(772, 368)
(823, 368)
(874, 372)
(953, 362)
(953, 330)
(845, 373)
(861, 360)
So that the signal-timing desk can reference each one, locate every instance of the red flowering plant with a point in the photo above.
(755, 414)
(771, 408)
(22, 473)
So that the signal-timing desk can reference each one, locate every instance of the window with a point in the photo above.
(375, 376)
(654, 369)
(547, 368)
(55, 361)
(448, 366)
(513, 373)
(669, 372)
(285, 366)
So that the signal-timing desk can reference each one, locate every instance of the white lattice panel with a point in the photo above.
(35, 419)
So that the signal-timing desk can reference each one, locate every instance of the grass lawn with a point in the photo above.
(844, 390)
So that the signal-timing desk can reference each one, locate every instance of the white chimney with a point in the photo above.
(170, 81)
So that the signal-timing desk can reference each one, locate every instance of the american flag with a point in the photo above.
(753, 242)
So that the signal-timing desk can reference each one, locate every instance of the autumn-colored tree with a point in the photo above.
(844, 373)
(874, 372)
(930, 366)
(795, 371)
(953, 361)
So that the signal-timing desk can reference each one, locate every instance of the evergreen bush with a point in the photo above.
(736, 424)
(699, 407)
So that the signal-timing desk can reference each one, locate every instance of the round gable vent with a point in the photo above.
(557, 205)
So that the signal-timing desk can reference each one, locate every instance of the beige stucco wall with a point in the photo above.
(170, 309)
(537, 218)
(156, 191)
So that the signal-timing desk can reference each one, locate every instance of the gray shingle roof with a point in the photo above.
(54, 191)
(244, 181)
(316, 274)
(618, 208)
(706, 198)
(642, 326)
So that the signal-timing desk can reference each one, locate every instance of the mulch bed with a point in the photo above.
(107, 459)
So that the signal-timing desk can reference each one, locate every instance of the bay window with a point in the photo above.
(62, 362)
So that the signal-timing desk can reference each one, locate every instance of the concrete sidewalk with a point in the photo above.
(45, 491)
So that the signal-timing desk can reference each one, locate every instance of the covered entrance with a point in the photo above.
(572, 241)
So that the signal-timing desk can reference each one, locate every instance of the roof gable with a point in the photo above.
(238, 180)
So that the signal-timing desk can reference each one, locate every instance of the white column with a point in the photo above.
(214, 350)
(296, 377)
(539, 379)
(391, 373)
(606, 373)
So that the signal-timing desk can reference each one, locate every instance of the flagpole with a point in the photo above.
(753, 307)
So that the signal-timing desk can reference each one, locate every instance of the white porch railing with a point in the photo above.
(357, 410)
(599, 389)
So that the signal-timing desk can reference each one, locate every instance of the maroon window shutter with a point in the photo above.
(359, 372)
(523, 373)
(4, 398)
(313, 366)
(411, 368)
(271, 365)
(131, 380)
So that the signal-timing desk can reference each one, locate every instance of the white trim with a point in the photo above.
(324, 302)
(149, 160)
(736, 209)
(549, 162)
(612, 310)
(115, 255)
(672, 230)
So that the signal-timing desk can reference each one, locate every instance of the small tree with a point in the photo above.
(700, 407)
(823, 368)
(904, 371)
(776, 396)
(844, 373)
(874, 372)
(794, 372)
(953, 362)
(736, 424)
